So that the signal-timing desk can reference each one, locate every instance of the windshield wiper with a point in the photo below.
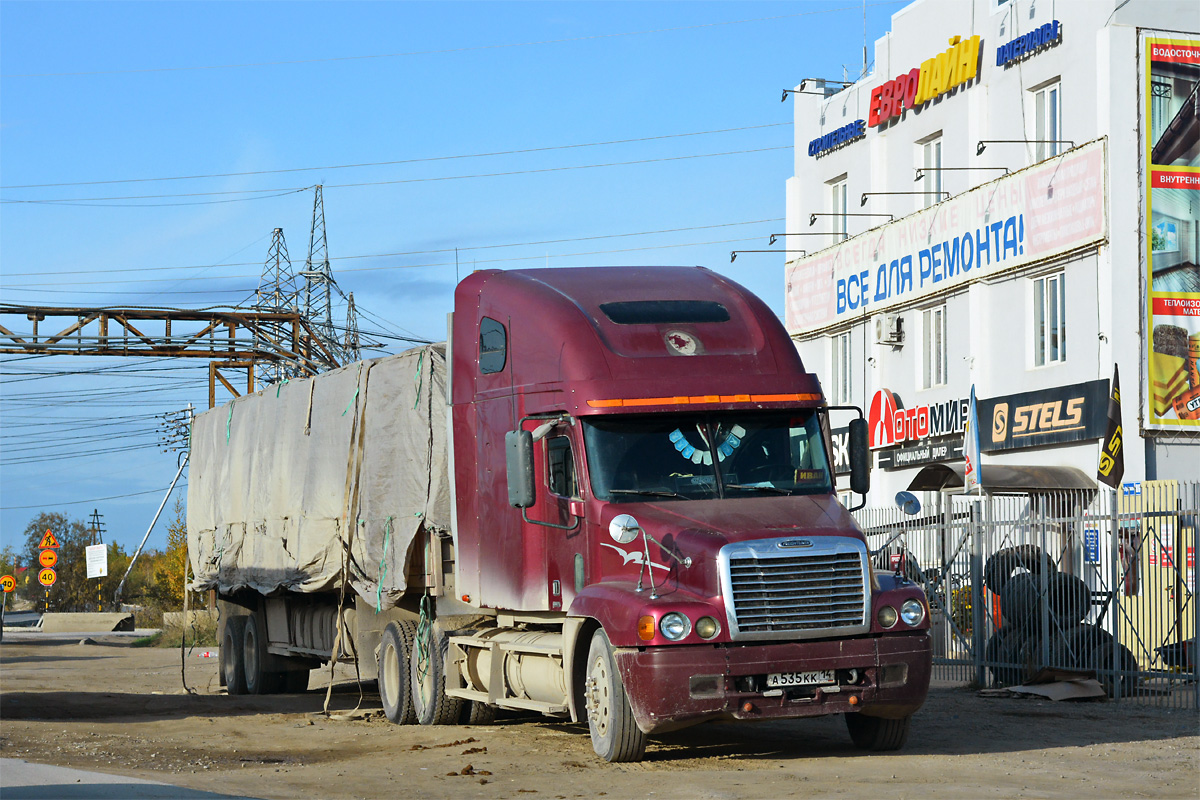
(646, 492)
(766, 487)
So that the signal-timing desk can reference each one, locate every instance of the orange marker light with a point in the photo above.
(853, 699)
(646, 628)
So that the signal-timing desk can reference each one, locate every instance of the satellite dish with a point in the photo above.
(908, 503)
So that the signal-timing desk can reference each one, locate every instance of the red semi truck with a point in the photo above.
(608, 497)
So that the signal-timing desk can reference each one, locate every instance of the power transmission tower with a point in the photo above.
(278, 291)
(318, 279)
(97, 527)
(350, 342)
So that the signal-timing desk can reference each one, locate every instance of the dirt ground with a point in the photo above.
(118, 709)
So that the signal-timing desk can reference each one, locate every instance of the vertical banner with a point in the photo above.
(971, 478)
(1171, 227)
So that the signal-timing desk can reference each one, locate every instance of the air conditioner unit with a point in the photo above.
(889, 329)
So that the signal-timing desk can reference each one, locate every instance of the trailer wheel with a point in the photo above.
(427, 678)
(394, 691)
(476, 713)
(254, 658)
(876, 733)
(615, 734)
(232, 667)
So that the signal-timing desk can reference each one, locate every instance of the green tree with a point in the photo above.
(170, 567)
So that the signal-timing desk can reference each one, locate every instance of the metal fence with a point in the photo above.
(1085, 581)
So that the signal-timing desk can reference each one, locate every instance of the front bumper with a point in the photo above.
(673, 687)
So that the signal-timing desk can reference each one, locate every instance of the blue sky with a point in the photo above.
(117, 92)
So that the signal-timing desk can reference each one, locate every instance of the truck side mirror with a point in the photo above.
(518, 462)
(860, 457)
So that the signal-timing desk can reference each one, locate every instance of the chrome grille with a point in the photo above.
(780, 592)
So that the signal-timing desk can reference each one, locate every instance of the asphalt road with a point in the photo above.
(21, 780)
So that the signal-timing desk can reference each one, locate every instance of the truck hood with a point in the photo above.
(699, 529)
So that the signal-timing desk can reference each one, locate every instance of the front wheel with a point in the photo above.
(615, 734)
(876, 733)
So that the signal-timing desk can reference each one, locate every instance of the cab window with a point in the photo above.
(562, 467)
(493, 346)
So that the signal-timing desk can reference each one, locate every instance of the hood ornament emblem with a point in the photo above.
(796, 543)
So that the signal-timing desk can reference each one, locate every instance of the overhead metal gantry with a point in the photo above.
(230, 339)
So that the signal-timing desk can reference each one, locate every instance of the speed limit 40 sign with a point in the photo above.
(8, 583)
(47, 577)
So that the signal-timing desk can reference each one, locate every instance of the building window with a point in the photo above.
(841, 368)
(1049, 320)
(837, 207)
(1047, 121)
(934, 363)
(931, 164)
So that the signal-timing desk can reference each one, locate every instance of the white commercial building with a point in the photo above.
(1008, 201)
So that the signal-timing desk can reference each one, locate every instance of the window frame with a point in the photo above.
(553, 448)
(839, 207)
(841, 367)
(1048, 330)
(1046, 142)
(932, 185)
(934, 343)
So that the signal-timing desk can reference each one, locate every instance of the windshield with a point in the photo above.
(702, 456)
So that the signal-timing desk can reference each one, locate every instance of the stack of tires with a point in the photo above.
(1015, 652)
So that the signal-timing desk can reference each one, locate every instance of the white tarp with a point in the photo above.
(280, 480)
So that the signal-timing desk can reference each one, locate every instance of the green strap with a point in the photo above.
(228, 423)
(356, 388)
(417, 378)
(387, 539)
(279, 386)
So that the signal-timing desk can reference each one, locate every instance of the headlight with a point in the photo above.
(675, 626)
(912, 612)
(707, 627)
(886, 616)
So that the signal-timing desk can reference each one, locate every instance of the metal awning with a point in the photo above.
(1004, 479)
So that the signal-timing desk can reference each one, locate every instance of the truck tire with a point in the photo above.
(615, 734)
(394, 690)
(254, 658)
(232, 667)
(1005, 563)
(476, 713)
(876, 733)
(427, 679)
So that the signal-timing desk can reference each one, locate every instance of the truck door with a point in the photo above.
(564, 545)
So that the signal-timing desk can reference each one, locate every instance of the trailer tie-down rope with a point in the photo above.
(417, 379)
(387, 539)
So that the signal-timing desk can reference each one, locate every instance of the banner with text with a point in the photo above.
(1172, 230)
(1039, 212)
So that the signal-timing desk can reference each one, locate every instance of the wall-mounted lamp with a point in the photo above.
(922, 170)
(983, 143)
(775, 236)
(812, 218)
(733, 254)
(862, 202)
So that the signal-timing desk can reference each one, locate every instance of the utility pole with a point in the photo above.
(318, 279)
(350, 342)
(98, 530)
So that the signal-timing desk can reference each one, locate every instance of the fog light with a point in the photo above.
(675, 626)
(707, 627)
(887, 616)
(912, 612)
(646, 628)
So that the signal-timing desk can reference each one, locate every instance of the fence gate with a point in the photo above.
(1087, 581)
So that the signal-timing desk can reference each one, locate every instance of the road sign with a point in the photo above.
(47, 577)
(48, 558)
(8, 583)
(49, 540)
(97, 560)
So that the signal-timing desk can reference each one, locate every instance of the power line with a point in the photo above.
(398, 162)
(92, 500)
(292, 190)
(444, 51)
(465, 249)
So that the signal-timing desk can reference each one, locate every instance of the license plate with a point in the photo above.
(800, 678)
